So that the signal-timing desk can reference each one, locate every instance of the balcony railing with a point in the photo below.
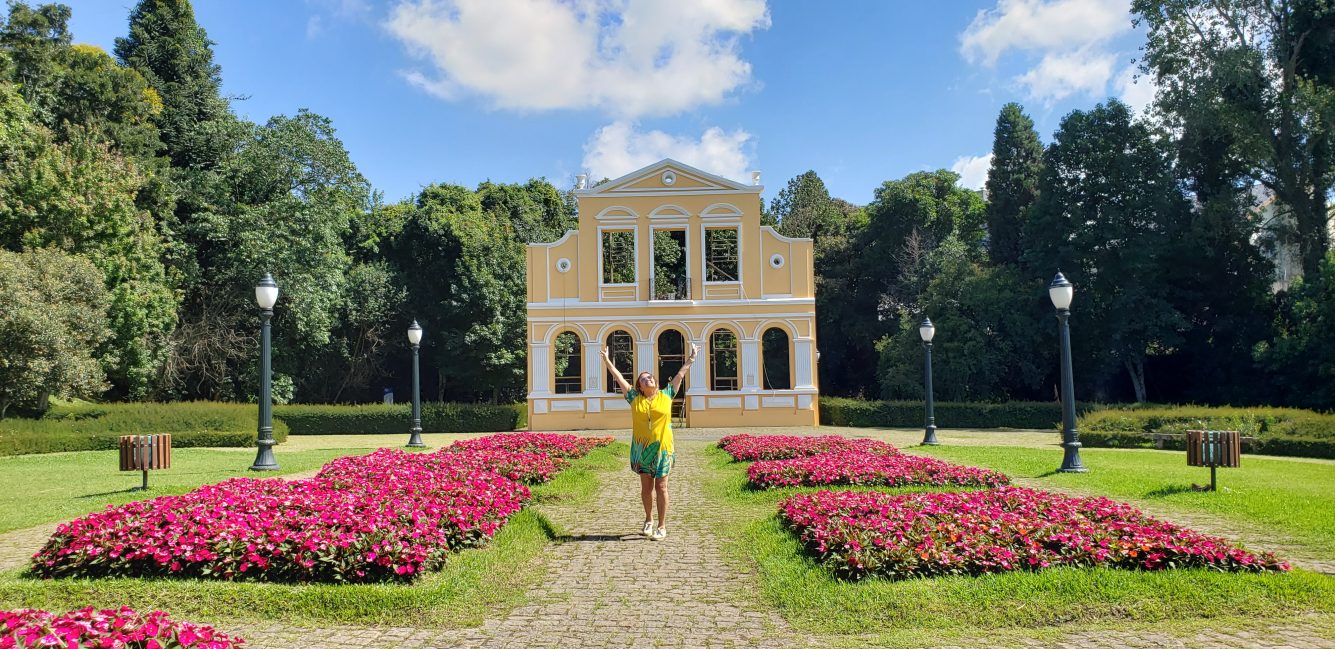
(678, 288)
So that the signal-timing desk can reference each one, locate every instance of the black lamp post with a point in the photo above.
(266, 294)
(927, 331)
(415, 433)
(1061, 292)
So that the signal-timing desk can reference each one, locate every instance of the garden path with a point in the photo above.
(606, 586)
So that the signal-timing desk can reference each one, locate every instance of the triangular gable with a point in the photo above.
(652, 179)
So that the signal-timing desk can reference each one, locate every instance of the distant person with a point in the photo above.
(651, 453)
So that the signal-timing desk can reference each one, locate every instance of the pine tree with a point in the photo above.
(1012, 182)
(175, 55)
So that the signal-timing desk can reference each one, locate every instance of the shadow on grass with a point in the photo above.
(127, 490)
(1170, 490)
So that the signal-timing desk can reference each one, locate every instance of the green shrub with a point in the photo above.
(1277, 431)
(96, 427)
(392, 419)
(835, 411)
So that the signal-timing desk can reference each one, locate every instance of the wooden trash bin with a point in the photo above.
(1214, 448)
(145, 453)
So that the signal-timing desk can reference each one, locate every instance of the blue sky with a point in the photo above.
(425, 91)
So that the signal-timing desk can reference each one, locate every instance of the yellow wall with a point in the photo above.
(771, 292)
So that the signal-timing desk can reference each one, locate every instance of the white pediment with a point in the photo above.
(668, 176)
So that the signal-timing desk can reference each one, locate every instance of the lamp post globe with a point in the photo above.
(1061, 291)
(928, 331)
(266, 296)
(415, 432)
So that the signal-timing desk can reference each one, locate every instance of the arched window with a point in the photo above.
(775, 359)
(723, 360)
(671, 356)
(568, 367)
(622, 350)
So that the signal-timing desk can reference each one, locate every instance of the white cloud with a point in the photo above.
(620, 148)
(625, 57)
(1138, 93)
(339, 10)
(972, 170)
(1070, 39)
(1042, 25)
(1059, 76)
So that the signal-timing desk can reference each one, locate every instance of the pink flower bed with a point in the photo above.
(316, 530)
(393, 464)
(747, 448)
(554, 444)
(861, 534)
(106, 628)
(859, 467)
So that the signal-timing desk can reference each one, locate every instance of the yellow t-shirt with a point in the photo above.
(651, 449)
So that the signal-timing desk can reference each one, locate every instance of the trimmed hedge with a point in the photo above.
(393, 419)
(835, 411)
(1277, 431)
(98, 427)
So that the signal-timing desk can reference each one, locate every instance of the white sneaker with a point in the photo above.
(660, 534)
(648, 528)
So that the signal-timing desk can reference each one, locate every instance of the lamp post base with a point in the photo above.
(264, 458)
(929, 437)
(1071, 461)
(415, 438)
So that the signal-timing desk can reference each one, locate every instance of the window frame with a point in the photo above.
(629, 373)
(788, 351)
(578, 355)
(635, 254)
(737, 361)
(704, 253)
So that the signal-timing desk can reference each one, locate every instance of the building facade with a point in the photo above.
(665, 257)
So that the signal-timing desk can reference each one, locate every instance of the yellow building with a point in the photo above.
(665, 257)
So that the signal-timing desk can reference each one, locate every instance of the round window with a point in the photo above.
(776, 261)
(562, 265)
(669, 178)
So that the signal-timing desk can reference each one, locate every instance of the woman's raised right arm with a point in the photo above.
(616, 374)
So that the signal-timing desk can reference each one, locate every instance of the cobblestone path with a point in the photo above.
(607, 586)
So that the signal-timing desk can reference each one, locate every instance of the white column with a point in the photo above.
(542, 371)
(804, 357)
(644, 357)
(750, 365)
(699, 371)
(593, 367)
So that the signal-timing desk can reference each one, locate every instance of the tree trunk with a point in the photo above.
(1136, 368)
(1313, 226)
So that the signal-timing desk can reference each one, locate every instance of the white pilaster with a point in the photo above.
(593, 367)
(644, 357)
(750, 364)
(542, 372)
(699, 371)
(805, 353)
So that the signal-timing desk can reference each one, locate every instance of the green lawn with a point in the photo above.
(473, 585)
(1290, 499)
(53, 487)
(1002, 609)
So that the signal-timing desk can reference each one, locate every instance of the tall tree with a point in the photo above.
(1262, 70)
(175, 55)
(79, 196)
(52, 315)
(804, 208)
(1012, 182)
(1108, 203)
(34, 39)
(1300, 357)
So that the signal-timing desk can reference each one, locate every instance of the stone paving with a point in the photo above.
(608, 587)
